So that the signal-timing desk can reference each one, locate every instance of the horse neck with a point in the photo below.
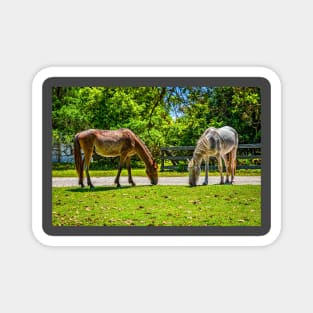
(207, 145)
(201, 149)
(143, 152)
(197, 158)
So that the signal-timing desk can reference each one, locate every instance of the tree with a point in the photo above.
(160, 116)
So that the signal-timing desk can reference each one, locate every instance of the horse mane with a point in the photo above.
(142, 145)
(204, 144)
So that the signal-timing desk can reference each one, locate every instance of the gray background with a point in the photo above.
(36, 34)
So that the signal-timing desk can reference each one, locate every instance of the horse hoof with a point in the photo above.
(204, 183)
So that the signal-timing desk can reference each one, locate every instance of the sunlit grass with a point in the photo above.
(70, 171)
(214, 205)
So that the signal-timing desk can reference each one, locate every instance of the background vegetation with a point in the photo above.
(160, 116)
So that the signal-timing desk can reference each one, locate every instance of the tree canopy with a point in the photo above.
(160, 116)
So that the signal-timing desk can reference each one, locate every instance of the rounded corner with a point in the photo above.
(41, 236)
(271, 236)
(42, 75)
(271, 76)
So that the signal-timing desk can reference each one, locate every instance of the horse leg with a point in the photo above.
(117, 178)
(87, 163)
(206, 179)
(130, 179)
(220, 168)
(120, 167)
(227, 166)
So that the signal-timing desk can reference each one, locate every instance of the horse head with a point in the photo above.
(194, 172)
(152, 173)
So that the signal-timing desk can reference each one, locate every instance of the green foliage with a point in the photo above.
(160, 116)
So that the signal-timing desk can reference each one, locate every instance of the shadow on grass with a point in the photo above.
(104, 188)
(124, 187)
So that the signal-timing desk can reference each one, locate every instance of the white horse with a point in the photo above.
(221, 143)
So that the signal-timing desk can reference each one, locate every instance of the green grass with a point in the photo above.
(71, 172)
(214, 205)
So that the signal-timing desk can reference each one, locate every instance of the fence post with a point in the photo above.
(162, 161)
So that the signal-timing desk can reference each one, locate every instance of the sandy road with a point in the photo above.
(109, 181)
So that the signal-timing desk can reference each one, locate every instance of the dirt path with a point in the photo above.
(109, 181)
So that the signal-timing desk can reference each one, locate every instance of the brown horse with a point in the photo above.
(111, 143)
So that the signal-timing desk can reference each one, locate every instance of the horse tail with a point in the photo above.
(79, 162)
(235, 152)
(233, 160)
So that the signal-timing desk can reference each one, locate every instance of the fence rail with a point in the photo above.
(248, 156)
(250, 152)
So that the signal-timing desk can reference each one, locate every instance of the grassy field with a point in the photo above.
(214, 205)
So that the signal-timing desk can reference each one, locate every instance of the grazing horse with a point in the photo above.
(221, 143)
(111, 143)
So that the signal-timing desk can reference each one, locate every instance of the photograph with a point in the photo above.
(156, 156)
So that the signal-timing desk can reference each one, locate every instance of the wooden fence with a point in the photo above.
(248, 157)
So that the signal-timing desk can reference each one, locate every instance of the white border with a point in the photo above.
(276, 149)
